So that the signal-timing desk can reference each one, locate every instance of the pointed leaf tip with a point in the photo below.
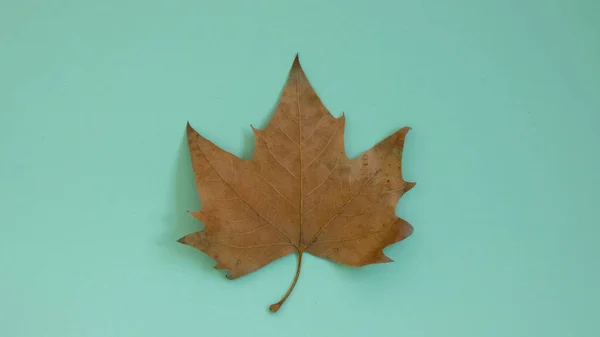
(296, 63)
(386, 259)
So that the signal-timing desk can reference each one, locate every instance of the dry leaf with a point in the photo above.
(299, 193)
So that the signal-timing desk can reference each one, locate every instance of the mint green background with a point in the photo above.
(95, 179)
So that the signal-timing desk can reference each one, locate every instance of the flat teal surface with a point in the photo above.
(95, 178)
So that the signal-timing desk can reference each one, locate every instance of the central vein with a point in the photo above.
(275, 306)
(300, 247)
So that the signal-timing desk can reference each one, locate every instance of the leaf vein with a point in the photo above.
(248, 247)
(315, 130)
(314, 238)
(284, 133)
(276, 190)
(337, 161)
(239, 196)
(277, 160)
(324, 147)
(250, 231)
(364, 235)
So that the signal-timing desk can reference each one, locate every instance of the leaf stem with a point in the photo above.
(274, 307)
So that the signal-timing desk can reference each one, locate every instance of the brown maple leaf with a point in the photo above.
(299, 193)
